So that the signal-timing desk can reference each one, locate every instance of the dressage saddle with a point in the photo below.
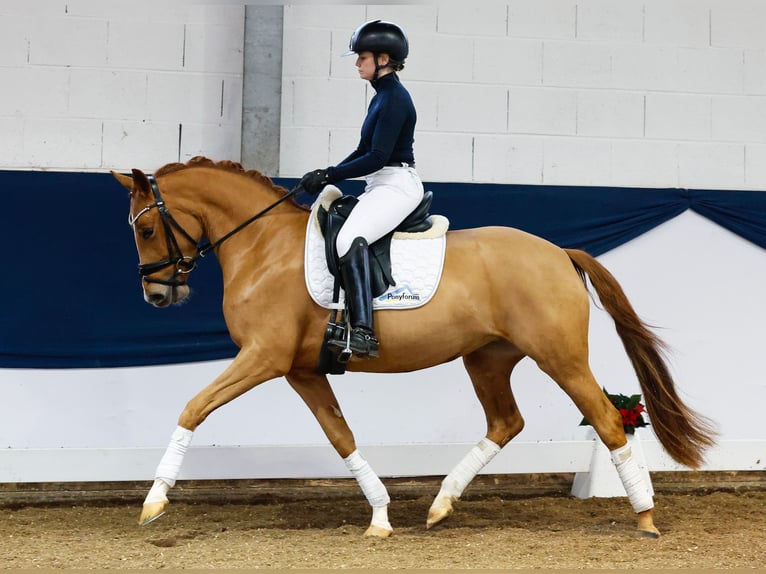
(332, 219)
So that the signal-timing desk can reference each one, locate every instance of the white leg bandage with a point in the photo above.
(170, 465)
(158, 492)
(371, 486)
(477, 458)
(638, 491)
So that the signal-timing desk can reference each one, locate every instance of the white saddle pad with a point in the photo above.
(417, 260)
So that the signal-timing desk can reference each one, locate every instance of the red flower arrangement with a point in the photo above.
(631, 410)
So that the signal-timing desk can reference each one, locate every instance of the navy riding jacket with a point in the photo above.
(387, 134)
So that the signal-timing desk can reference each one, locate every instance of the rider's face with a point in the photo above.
(365, 63)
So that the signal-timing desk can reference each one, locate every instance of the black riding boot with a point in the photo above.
(355, 272)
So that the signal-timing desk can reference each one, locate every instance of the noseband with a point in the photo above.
(184, 264)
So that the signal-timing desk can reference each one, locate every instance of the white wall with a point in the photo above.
(90, 85)
(648, 93)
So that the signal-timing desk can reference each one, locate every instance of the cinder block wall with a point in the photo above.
(654, 93)
(649, 93)
(92, 85)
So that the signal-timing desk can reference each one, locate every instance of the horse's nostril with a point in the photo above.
(155, 298)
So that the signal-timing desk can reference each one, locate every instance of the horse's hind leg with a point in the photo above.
(575, 377)
(316, 392)
(490, 370)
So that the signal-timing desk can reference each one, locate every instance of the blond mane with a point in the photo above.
(231, 167)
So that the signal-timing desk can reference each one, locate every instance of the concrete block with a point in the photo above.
(339, 17)
(217, 48)
(415, 19)
(606, 20)
(425, 96)
(107, 94)
(678, 116)
(442, 58)
(577, 64)
(145, 145)
(445, 157)
(755, 166)
(555, 19)
(542, 111)
(224, 13)
(136, 11)
(508, 159)
(473, 19)
(644, 163)
(607, 113)
(738, 24)
(14, 41)
(67, 42)
(711, 165)
(39, 8)
(62, 143)
(309, 53)
(711, 70)
(644, 67)
(178, 97)
(473, 109)
(576, 161)
(508, 61)
(755, 72)
(231, 109)
(150, 46)
(329, 103)
(12, 142)
(677, 23)
(342, 142)
(302, 149)
(738, 119)
(216, 141)
(40, 91)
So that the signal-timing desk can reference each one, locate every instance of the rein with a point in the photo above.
(185, 264)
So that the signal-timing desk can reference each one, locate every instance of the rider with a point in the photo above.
(385, 158)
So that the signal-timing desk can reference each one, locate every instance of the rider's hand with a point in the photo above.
(314, 181)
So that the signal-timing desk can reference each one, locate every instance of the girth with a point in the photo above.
(332, 219)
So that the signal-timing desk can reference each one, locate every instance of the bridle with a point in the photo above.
(185, 264)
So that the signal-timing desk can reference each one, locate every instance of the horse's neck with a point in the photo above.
(227, 202)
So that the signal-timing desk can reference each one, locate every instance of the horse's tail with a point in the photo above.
(684, 433)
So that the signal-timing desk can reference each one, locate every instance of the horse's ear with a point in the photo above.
(141, 182)
(125, 180)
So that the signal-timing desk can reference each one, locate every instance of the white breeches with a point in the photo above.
(391, 194)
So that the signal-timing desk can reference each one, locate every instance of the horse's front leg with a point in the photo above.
(246, 371)
(316, 392)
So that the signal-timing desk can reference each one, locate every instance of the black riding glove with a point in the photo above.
(314, 181)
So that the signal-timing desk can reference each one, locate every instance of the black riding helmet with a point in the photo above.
(378, 36)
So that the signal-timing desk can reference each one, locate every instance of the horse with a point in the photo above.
(504, 294)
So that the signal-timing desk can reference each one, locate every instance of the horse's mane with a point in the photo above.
(230, 166)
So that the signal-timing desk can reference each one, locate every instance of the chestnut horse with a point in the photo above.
(528, 298)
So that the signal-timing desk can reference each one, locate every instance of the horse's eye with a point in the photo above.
(147, 232)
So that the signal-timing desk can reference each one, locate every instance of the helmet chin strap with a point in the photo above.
(378, 67)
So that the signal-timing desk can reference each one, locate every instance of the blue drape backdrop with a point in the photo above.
(71, 295)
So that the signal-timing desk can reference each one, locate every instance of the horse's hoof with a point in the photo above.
(378, 532)
(646, 527)
(436, 514)
(151, 512)
(654, 534)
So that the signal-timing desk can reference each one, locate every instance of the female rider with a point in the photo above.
(385, 158)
